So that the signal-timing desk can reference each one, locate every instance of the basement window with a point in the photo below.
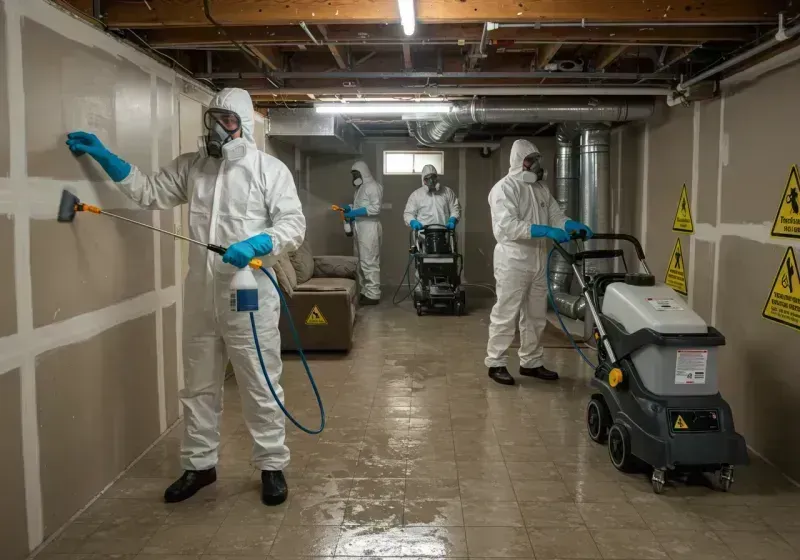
(411, 163)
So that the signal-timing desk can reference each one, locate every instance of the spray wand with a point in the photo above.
(348, 228)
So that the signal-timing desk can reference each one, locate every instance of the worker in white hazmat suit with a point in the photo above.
(245, 200)
(432, 203)
(524, 216)
(364, 214)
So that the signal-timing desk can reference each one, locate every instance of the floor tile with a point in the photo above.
(434, 513)
(729, 518)
(546, 515)
(486, 490)
(609, 515)
(541, 491)
(385, 513)
(243, 540)
(432, 489)
(557, 543)
(628, 543)
(181, 539)
(370, 542)
(758, 545)
(305, 541)
(448, 542)
(492, 514)
(498, 542)
(378, 489)
(693, 545)
(330, 512)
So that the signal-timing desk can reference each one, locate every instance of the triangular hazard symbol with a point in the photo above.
(680, 424)
(683, 215)
(783, 303)
(315, 317)
(787, 219)
(676, 270)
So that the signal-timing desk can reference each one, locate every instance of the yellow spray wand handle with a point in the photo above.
(338, 209)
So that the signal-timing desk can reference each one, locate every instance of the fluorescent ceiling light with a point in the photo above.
(407, 16)
(383, 108)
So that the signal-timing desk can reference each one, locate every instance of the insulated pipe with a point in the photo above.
(505, 111)
(469, 91)
(569, 305)
(412, 131)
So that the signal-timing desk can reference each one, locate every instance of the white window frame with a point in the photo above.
(439, 168)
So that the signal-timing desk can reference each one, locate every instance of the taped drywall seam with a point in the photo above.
(645, 185)
(22, 267)
(155, 135)
(693, 196)
(462, 199)
(718, 242)
(178, 260)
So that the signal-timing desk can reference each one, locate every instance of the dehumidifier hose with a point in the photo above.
(302, 357)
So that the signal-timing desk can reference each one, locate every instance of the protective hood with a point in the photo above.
(427, 170)
(519, 150)
(238, 101)
(363, 168)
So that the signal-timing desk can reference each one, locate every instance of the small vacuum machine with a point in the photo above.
(438, 265)
(657, 399)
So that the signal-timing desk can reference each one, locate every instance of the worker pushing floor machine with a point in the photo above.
(438, 265)
(657, 399)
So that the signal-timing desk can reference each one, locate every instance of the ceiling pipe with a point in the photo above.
(780, 36)
(413, 127)
(355, 75)
(642, 24)
(505, 111)
(305, 28)
(461, 91)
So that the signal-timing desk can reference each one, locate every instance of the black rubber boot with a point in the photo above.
(189, 484)
(274, 489)
(540, 372)
(364, 300)
(501, 375)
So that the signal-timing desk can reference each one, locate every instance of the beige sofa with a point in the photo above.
(322, 294)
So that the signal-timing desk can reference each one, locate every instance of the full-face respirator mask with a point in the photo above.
(357, 179)
(432, 182)
(219, 142)
(532, 170)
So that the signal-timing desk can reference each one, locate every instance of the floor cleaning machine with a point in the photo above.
(657, 399)
(438, 265)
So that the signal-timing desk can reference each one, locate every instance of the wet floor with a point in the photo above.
(423, 456)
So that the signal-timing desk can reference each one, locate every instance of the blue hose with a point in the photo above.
(558, 315)
(302, 357)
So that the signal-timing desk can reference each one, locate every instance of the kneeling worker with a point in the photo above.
(524, 215)
(432, 203)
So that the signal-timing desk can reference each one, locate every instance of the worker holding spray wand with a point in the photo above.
(246, 200)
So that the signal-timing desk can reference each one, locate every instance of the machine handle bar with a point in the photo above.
(623, 237)
(599, 254)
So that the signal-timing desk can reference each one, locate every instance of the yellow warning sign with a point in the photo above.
(787, 219)
(680, 424)
(683, 215)
(676, 270)
(783, 304)
(316, 317)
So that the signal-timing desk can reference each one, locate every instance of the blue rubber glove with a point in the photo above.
(415, 225)
(240, 254)
(346, 207)
(573, 226)
(451, 223)
(557, 235)
(86, 143)
(357, 213)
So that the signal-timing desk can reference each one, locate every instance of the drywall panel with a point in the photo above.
(708, 162)
(69, 86)
(13, 524)
(703, 288)
(99, 261)
(761, 128)
(169, 320)
(8, 297)
(165, 109)
(4, 137)
(167, 250)
(758, 366)
(330, 183)
(670, 167)
(630, 160)
(97, 410)
(479, 240)
(191, 123)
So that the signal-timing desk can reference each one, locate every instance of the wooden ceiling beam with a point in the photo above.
(607, 55)
(545, 54)
(408, 64)
(270, 56)
(267, 12)
(337, 55)
(282, 34)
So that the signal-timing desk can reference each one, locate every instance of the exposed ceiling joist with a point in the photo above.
(269, 56)
(607, 55)
(266, 12)
(545, 54)
(407, 61)
(337, 55)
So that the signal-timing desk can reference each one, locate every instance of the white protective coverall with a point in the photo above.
(520, 262)
(229, 200)
(431, 208)
(368, 232)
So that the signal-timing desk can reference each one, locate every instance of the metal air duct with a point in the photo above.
(522, 110)
(595, 187)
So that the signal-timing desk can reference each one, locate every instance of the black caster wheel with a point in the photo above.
(658, 480)
(725, 478)
(598, 419)
(619, 448)
(419, 309)
(458, 308)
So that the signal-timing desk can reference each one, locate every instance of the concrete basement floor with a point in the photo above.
(424, 456)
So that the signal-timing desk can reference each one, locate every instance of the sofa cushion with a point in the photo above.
(335, 266)
(283, 278)
(288, 268)
(303, 262)
(328, 285)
